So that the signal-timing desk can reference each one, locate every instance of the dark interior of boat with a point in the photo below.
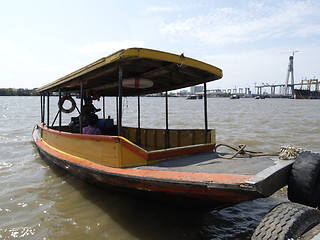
(148, 138)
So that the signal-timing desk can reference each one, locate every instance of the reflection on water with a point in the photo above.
(41, 202)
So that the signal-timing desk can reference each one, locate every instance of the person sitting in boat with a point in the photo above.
(92, 125)
(88, 109)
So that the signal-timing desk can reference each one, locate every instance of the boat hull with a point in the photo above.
(306, 94)
(218, 189)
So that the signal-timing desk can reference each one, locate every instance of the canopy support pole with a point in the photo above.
(48, 95)
(139, 126)
(167, 122)
(103, 107)
(117, 103)
(81, 106)
(120, 103)
(60, 110)
(205, 111)
(43, 107)
(41, 118)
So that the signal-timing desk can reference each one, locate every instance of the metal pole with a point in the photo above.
(167, 122)
(103, 106)
(48, 109)
(120, 103)
(205, 111)
(55, 118)
(139, 127)
(81, 107)
(60, 110)
(41, 116)
(43, 107)
(117, 103)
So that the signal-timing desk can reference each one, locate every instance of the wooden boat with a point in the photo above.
(169, 162)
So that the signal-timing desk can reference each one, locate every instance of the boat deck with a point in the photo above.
(212, 163)
(266, 174)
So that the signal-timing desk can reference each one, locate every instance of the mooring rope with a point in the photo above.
(289, 152)
(243, 153)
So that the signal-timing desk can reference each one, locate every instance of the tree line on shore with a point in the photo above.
(18, 92)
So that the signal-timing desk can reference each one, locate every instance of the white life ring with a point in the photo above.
(73, 104)
(137, 83)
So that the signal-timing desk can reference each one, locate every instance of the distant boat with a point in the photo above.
(234, 96)
(194, 97)
(261, 97)
(306, 94)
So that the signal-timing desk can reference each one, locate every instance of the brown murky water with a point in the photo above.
(41, 202)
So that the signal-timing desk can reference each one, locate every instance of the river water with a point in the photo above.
(41, 202)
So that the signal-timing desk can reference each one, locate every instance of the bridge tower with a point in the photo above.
(290, 71)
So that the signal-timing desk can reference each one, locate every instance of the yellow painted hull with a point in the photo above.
(116, 151)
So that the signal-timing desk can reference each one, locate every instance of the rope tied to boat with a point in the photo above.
(286, 152)
(241, 152)
(289, 152)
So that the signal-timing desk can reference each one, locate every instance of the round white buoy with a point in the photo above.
(137, 83)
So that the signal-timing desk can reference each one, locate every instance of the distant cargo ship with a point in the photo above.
(306, 94)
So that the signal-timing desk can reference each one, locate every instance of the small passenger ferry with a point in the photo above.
(169, 162)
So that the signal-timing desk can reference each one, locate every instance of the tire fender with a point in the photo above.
(304, 180)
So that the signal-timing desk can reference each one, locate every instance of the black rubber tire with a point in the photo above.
(287, 221)
(304, 180)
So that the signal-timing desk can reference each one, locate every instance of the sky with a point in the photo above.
(251, 41)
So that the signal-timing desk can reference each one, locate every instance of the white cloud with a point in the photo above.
(258, 21)
(161, 9)
(109, 46)
(247, 67)
(308, 30)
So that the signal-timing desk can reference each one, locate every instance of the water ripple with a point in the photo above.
(4, 165)
(40, 202)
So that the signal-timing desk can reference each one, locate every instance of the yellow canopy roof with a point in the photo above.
(167, 72)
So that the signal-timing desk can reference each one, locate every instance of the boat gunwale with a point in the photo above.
(105, 138)
(152, 156)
